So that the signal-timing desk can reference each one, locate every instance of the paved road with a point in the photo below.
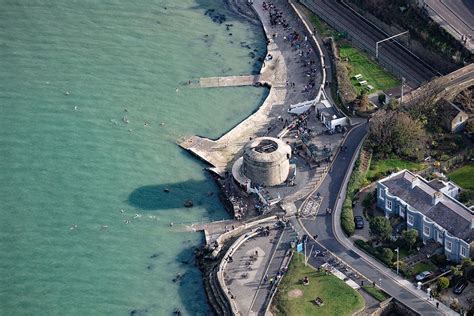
(398, 57)
(323, 227)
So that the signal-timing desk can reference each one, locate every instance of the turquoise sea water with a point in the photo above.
(70, 160)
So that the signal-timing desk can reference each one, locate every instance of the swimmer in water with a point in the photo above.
(122, 211)
(177, 89)
(75, 108)
(73, 227)
(66, 93)
(171, 224)
(104, 226)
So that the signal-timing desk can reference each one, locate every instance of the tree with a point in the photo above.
(393, 104)
(470, 126)
(466, 263)
(409, 237)
(369, 200)
(456, 270)
(395, 132)
(387, 255)
(380, 227)
(443, 283)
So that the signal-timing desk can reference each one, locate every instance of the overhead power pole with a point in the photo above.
(388, 38)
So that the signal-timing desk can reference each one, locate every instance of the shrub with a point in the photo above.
(382, 98)
(347, 218)
(443, 283)
(387, 255)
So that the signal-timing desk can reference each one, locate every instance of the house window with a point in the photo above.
(463, 251)
(440, 236)
(381, 193)
(449, 245)
(426, 230)
(389, 205)
(410, 219)
(460, 119)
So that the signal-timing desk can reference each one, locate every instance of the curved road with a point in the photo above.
(324, 228)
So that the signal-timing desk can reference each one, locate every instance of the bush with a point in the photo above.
(382, 97)
(443, 283)
(347, 217)
(387, 254)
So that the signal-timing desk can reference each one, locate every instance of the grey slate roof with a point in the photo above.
(448, 212)
(451, 221)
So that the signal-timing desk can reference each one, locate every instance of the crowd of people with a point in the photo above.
(298, 42)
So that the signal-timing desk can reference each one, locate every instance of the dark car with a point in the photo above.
(359, 222)
(460, 286)
(305, 238)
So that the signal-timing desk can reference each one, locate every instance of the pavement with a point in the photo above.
(330, 236)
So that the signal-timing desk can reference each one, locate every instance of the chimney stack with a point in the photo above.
(437, 197)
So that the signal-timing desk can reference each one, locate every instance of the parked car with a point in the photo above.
(423, 275)
(460, 286)
(359, 222)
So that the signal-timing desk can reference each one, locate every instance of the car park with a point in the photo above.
(423, 275)
(359, 222)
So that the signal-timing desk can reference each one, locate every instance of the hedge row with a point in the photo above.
(356, 181)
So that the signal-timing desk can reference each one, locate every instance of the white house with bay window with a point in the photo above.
(431, 210)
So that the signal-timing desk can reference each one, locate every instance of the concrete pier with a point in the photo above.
(230, 81)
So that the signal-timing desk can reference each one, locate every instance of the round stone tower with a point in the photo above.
(266, 161)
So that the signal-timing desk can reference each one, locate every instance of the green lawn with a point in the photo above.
(379, 168)
(464, 177)
(376, 293)
(423, 266)
(372, 72)
(338, 297)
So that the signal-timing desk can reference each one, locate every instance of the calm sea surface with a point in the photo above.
(70, 163)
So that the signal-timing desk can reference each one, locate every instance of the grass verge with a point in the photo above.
(376, 293)
(381, 168)
(361, 63)
(294, 298)
(464, 177)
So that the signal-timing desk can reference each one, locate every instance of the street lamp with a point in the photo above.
(388, 38)
(398, 255)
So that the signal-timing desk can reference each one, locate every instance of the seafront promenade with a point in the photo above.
(284, 70)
